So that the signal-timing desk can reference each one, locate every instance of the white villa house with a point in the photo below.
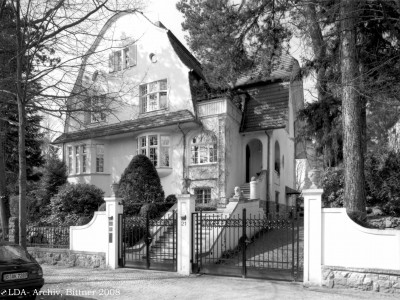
(141, 85)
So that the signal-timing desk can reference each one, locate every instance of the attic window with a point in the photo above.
(153, 96)
(123, 59)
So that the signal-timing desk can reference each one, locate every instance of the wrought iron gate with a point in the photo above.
(148, 243)
(248, 246)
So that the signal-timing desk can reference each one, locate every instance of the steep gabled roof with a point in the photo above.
(267, 108)
(285, 69)
(184, 55)
(268, 105)
(157, 121)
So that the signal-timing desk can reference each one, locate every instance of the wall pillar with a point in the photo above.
(312, 237)
(186, 206)
(113, 209)
(253, 189)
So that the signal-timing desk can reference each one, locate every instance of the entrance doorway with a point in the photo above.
(254, 152)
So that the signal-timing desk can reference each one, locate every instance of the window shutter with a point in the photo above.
(133, 55)
(110, 63)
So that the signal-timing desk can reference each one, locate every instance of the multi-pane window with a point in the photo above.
(153, 96)
(123, 58)
(142, 145)
(203, 195)
(156, 148)
(98, 106)
(77, 160)
(204, 149)
(164, 150)
(153, 149)
(99, 158)
(69, 149)
(84, 158)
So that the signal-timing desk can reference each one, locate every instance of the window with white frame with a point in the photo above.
(123, 58)
(84, 158)
(156, 147)
(99, 158)
(97, 109)
(77, 160)
(203, 195)
(70, 158)
(204, 149)
(153, 96)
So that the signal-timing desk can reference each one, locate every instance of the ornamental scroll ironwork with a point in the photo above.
(132, 222)
(219, 223)
(259, 222)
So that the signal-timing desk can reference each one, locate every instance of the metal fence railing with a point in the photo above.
(47, 237)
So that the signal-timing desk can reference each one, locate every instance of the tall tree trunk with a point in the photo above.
(354, 191)
(3, 189)
(318, 46)
(21, 130)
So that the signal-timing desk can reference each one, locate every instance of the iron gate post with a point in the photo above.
(294, 275)
(243, 239)
(121, 241)
(147, 241)
(201, 239)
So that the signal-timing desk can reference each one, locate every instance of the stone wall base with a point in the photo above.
(376, 280)
(68, 258)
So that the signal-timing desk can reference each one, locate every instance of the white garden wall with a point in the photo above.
(346, 244)
(91, 237)
(340, 253)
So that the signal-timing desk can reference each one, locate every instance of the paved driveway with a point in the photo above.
(124, 284)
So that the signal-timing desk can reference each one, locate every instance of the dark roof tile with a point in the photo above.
(267, 108)
(171, 118)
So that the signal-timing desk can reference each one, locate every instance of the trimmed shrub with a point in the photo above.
(152, 209)
(170, 201)
(73, 202)
(139, 184)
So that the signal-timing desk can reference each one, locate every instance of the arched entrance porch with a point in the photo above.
(254, 151)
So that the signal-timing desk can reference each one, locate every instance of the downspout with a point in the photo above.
(268, 171)
(184, 152)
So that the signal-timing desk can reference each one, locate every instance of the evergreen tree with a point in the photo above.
(231, 39)
(369, 71)
(140, 184)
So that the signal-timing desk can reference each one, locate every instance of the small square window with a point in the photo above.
(203, 195)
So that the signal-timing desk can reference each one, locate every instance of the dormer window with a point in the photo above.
(153, 96)
(123, 58)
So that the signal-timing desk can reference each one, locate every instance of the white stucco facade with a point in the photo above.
(150, 109)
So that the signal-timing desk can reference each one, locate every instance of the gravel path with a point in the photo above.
(124, 284)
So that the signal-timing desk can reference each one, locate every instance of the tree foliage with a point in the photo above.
(74, 202)
(140, 184)
(230, 39)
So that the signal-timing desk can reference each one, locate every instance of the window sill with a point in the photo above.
(164, 171)
(149, 113)
(203, 165)
(87, 174)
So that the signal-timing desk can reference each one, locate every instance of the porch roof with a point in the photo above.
(151, 122)
(267, 108)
